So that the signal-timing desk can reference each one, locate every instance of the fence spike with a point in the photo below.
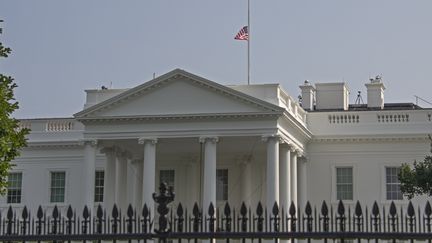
(86, 213)
(55, 213)
(243, 209)
(275, 209)
(39, 213)
(341, 208)
(227, 210)
(324, 209)
(292, 209)
(392, 210)
(24, 214)
(428, 209)
(130, 211)
(145, 211)
(259, 210)
(308, 209)
(358, 210)
(375, 209)
(9, 214)
(410, 210)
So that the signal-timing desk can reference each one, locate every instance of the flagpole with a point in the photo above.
(248, 44)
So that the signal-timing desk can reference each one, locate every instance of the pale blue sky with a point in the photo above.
(61, 48)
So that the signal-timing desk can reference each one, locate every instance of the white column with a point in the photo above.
(109, 177)
(149, 171)
(246, 168)
(302, 185)
(294, 177)
(272, 171)
(192, 183)
(285, 176)
(137, 184)
(209, 192)
(121, 180)
(89, 173)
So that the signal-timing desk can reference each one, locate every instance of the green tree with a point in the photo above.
(12, 138)
(417, 180)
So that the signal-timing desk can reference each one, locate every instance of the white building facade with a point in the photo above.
(217, 144)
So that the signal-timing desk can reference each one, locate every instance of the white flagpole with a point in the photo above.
(248, 46)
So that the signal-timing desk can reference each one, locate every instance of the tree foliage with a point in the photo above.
(12, 138)
(417, 180)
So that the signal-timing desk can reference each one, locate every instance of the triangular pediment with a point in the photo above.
(178, 93)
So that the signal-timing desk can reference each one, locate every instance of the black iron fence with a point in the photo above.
(322, 223)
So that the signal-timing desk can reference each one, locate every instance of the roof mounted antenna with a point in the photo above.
(359, 100)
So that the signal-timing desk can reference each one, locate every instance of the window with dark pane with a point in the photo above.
(57, 190)
(14, 187)
(344, 183)
(167, 176)
(393, 184)
(221, 184)
(99, 186)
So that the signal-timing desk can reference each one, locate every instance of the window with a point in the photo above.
(167, 176)
(58, 181)
(393, 184)
(222, 185)
(344, 183)
(14, 187)
(99, 186)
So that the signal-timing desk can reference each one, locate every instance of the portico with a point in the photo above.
(209, 153)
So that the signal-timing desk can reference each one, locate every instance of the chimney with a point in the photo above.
(308, 95)
(375, 93)
(332, 96)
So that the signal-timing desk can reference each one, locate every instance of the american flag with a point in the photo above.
(243, 34)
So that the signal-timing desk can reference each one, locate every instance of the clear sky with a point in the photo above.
(61, 48)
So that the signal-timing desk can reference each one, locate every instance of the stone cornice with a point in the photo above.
(54, 144)
(372, 138)
(182, 117)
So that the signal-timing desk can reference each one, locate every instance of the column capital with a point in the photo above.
(266, 138)
(108, 150)
(136, 161)
(87, 141)
(123, 153)
(144, 140)
(213, 139)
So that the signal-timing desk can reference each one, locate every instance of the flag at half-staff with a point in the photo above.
(243, 34)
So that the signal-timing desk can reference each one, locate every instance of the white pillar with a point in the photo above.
(192, 183)
(149, 172)
(246, 168)
(294, 177)
(285, 176)
(272, 171)
(89, 173)
(109, 178)
(209, 192)
(121, 180)
(302, 185)
(137, 184)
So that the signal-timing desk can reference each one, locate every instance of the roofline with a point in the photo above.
(172, 74)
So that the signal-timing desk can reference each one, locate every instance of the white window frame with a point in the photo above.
(333, 187)
(218, 201)
(21, 188)
(49, 186)
(384, 199)
(167, 169)
(103, 186)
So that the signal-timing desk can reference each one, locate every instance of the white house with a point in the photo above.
(216, 143)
